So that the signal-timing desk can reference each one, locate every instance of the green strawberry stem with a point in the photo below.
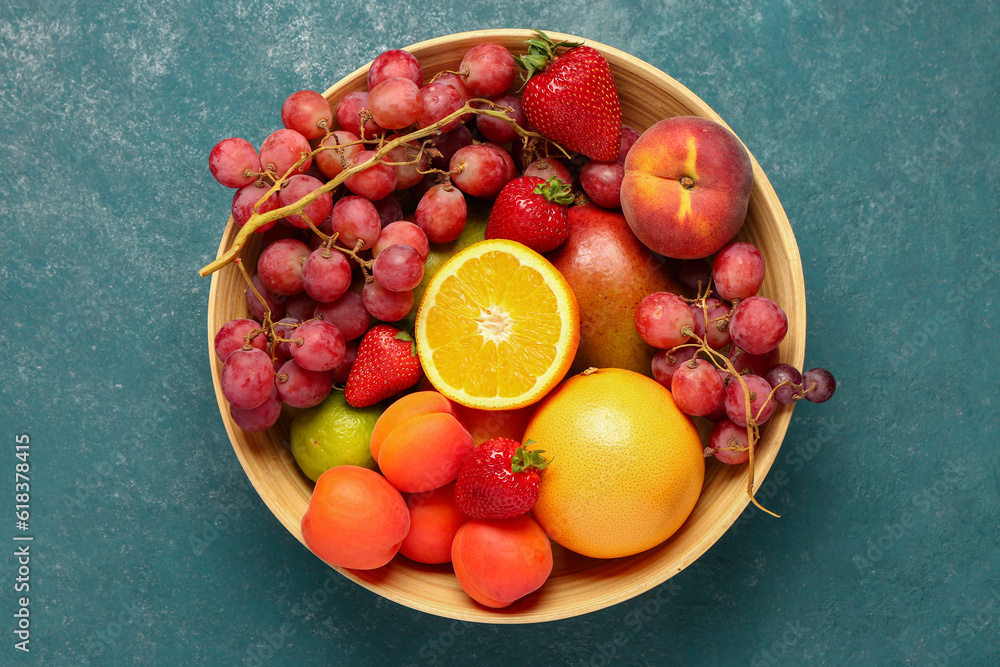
(525, 459)
(556, 191)
(540, 52)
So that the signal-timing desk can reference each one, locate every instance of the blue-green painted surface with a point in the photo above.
(876, 123)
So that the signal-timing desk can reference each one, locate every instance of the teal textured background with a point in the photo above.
(876, 123)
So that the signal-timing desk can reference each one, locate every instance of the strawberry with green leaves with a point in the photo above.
(386, 364)
(499, 480)
(572, 99)
(532, 211)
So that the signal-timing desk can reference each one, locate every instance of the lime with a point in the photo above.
(332, 434)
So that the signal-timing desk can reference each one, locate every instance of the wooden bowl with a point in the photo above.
(578, 585)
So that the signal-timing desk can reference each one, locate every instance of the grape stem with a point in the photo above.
(722, 362)
(257, 220)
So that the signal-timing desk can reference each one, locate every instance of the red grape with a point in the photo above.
(349, 113)
(301, 388)
(282, 150)
(758, 364)
(720, 411)
(384, 304)
(666, 362)
(736, 400)
(246, 378)
(697, 388)
(497, 130)
(547, 167)
(490, 69)
(285, 329)
(784, 373)
(280, 266)
(717, 331)
(374, 183)
(441, 213)
(300, 306)
(317, 211)
(326, 275)
(389, 210)
(449, 143)
(395, 103)
(246, 198)
(395, 63)
(695, 273)
(331, 162)
(602, 181)
(232, 336)
(438, 100)
(346, 313)
(458, 83)
(304, 112)
(399, 268)
(273, 302)
(510, 169)
(738, 271)
(407, 175)
(317, 346)
(478, 170)
(403, 232)
(758, 325)
(729, 443)
(234, 162)
(356, 219)
(282, 230)
(660, 318)
(343, 369)
(629, 137)
(818, 385)
(260, 418)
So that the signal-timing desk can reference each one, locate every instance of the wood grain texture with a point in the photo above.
(578, 585)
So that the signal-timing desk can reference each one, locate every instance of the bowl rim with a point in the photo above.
(777, 426)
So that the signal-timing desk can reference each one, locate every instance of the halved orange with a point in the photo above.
(498, 326)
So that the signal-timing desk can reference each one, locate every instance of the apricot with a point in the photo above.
(687, 187)
(403, 410)
(498, 561)
(355, 519)
(425, 452)
(434, 520)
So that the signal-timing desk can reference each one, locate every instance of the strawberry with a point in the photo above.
(573, 100)
(499, 480)
(386, 364)
(532, 211)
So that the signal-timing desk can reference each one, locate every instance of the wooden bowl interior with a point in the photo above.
(578, 585)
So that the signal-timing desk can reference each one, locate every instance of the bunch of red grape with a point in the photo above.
(736, 389)
(342, 172)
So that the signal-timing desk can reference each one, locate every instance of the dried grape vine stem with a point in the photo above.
(722, 362)
(257, 220)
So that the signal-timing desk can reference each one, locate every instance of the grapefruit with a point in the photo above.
(627, 466)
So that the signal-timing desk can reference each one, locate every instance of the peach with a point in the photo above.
(687, 186)
(355, 519)
(498, 561)
(434, 520)
(424, 452)
(403, 410)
